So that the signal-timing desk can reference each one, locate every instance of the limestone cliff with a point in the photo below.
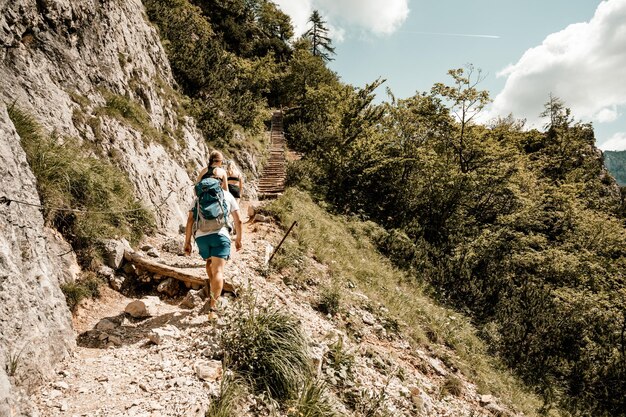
(78, 66)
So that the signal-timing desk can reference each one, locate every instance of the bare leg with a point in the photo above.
(217, 279)
(209, 275)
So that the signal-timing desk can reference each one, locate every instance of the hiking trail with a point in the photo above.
(169, 364)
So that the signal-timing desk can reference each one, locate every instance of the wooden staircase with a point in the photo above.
(272, 180)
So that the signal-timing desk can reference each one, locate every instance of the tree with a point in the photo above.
(276, 30)
(318, 35)
(466, 102)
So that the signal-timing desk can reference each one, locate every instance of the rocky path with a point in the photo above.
(169, 364)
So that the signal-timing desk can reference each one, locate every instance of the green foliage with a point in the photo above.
(318, 37)
(452, 386)
(230, 395)
(344, 245)
(229, 65)
(68, 181)
(500, 222)
(135, 115)
(267, 348)
(329, 300)
(339, 364)
(88, 286)
(312, 401)
(12, 361)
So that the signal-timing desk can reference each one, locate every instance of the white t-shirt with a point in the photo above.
(232, 206)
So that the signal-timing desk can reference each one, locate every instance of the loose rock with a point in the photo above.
(208, 370)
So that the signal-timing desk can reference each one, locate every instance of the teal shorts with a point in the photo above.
(214, 245)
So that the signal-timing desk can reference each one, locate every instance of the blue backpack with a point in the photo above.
(211, 213)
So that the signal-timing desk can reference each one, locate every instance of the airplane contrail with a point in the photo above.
(466, 35)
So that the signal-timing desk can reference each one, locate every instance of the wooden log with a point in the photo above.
(169, 271)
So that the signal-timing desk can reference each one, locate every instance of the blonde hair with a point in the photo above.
(232, 170)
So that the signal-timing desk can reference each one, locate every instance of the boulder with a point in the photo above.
(208, 370)
(260, 218)
(146, 307)
(106, 272)
(105, 325)
(116, 282)
(113, 253)
(174, 245)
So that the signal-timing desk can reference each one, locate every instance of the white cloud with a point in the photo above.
(617, 142)
(380, 18)
(607, 115)
(584, 65)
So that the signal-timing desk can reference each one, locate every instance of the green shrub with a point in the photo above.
(453, 386)
(329, 300)
(269, 349)
(339, 364)
(88, 286)
(85, 198)
(225, 403)
(312, 401)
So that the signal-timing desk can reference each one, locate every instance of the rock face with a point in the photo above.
(67, 63)
(35, 324)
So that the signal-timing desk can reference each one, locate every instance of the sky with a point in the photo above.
(526, 50)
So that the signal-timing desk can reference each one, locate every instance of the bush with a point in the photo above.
(225, 404)
(453, 386)
(329, 300)
(269, 349)
(312, 401)
(85, 198)
(88, 286)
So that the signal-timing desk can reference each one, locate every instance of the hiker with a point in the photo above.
(211, 232)
(235, 180)
(214, 169)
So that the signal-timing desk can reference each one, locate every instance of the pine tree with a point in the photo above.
(318, 35)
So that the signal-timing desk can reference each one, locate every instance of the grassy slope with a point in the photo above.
(344, 246)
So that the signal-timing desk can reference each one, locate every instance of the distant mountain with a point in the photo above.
(615, 162)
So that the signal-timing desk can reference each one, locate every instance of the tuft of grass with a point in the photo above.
(81, 100)
(343, 244)
(312, 401)
(269, 349)
(131, 112)
(12, 361)
(226, 402)
(329, 300)
(68, 180)
(452, 386)
(368, 402)
(88, 286)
